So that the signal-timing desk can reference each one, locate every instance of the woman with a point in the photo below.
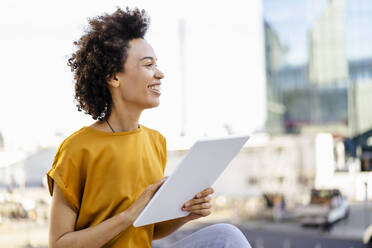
(103, 175)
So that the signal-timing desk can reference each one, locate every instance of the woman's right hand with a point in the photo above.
(136, 208)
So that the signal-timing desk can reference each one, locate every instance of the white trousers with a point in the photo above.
(214, 236)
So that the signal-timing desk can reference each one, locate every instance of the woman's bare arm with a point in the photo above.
(62, 223)
(63, 218)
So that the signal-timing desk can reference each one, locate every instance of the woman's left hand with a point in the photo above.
(200, 205)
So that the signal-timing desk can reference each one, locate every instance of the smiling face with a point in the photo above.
(139, 84)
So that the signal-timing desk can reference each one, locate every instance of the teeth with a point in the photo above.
(155, 87)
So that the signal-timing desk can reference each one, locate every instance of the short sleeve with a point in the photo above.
(67, 173)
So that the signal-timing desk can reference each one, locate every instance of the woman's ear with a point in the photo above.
(114, 82)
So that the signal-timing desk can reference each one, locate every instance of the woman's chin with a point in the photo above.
(153, 104)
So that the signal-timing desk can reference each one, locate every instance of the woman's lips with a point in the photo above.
(154, 88)
(155, 91)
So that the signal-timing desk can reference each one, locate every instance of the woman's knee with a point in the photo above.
(231, 235)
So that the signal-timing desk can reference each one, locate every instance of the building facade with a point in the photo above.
(327, 87)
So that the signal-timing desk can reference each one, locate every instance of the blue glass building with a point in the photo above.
(318, 65)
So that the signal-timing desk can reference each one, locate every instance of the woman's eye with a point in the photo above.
(149, 65)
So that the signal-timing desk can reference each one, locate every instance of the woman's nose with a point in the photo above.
(159, 74)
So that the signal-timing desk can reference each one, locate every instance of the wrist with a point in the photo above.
(126, 217)
(186, 219)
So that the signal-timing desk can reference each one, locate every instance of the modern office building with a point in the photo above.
(327, 46)
(318, 66)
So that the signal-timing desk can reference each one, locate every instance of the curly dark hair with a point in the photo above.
(101, 53)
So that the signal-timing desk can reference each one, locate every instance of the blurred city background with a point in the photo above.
(295, 75)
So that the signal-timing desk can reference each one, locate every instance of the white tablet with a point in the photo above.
(198, 170)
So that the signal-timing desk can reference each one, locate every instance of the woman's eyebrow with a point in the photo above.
(149, 57)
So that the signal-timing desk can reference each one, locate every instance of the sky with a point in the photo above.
(223, 83)
(293, 20)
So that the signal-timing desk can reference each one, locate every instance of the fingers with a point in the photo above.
(197, 201)
(197, 206)
(155, 186)
(201, 198)
(158, 183)
(204, 193)
(200, 205)
(202, 212)
(205, 205)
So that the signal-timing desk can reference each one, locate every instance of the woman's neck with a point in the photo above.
(125, 119)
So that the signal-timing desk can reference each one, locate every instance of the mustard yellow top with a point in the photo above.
(101, 174)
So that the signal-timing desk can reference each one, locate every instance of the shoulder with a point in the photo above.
(159, 142)
(154, 134)
(75, 141)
